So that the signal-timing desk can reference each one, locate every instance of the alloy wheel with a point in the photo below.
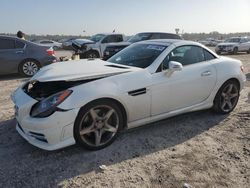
(229, 97)
(30, 68)
(99, 125)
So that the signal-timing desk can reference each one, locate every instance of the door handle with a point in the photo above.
(19, 52)
(206, 73)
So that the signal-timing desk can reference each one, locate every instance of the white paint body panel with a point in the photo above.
(166, 94)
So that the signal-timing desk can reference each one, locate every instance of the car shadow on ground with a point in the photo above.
(28, 164)
(11, 77)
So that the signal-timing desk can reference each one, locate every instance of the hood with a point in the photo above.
(119, 44)
(80, 42)
(80, 70)
(227, 43)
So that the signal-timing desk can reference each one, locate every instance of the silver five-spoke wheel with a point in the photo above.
(98, 125)
(227, 97)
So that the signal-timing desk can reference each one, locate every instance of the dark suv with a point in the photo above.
(24, 57)
(112, 49)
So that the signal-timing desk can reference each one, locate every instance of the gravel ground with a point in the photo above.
(201, 149)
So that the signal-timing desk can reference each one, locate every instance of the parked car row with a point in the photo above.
(113, 48)
(105, 45)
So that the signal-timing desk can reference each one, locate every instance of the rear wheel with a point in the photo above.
(227, 97)
(98, 124)
(29, 67)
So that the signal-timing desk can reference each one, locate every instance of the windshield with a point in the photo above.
(140, 37)
(97, 38)
(138, 55)
(233, 40)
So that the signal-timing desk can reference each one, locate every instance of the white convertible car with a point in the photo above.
(90, 101)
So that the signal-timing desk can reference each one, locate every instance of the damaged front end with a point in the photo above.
(81, 46)
(49, 95)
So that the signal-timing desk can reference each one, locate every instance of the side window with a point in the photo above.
(108, 39)
(186, 55)
(243, 40)
(6, 44)
(19, 44)
(208, 55)
(156, 36)
(119, 38)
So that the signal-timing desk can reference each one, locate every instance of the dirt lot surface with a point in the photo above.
(201, 149)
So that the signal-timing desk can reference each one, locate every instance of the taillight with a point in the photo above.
(50, 51)
(242, 68)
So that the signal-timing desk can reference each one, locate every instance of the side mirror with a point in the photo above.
(175, 66)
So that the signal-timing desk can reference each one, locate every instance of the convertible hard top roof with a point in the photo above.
(167, 42)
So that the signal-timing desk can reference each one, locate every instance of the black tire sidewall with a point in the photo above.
(84, 110)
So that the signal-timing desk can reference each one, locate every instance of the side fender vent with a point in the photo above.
(138, 92)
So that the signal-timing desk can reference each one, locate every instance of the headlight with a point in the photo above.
(48, 106)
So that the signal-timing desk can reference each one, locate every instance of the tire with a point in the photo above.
(98, 124)
(227, 97)
(29, 67)
(235, 50)
(248, 51)
(92, 55)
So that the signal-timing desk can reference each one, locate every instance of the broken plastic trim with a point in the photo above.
(40, 90)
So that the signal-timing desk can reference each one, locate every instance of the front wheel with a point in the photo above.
(98, 124)
(235, 50)
(218, 52)
(227, 97)
(248, 51)
(29, 67)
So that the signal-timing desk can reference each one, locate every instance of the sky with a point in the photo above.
(88, 17)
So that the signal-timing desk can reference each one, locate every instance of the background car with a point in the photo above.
(67, 43)
(112, 49)
(210, 42)
(94, 47)
(24, 57)
(234, 45)
(55, 45)
(146, 82)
